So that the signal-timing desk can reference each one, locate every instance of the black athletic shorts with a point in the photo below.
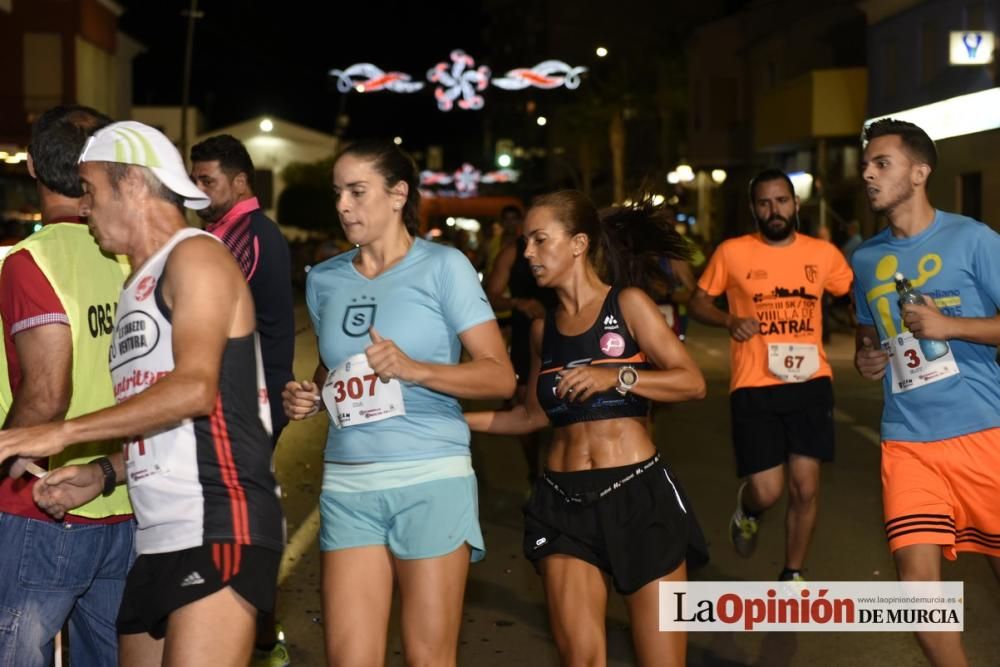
(637, 533)
(769, 423)
(159, 584)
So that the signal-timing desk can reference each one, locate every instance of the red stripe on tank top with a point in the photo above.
(230, 478)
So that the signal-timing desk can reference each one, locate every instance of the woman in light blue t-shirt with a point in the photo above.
(399, 499)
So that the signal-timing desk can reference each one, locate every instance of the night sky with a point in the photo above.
(254, 57)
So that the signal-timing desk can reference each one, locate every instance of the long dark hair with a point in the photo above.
(394, 165)
(627, 243)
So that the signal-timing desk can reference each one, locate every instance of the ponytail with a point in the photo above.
(635, 240)
(627, 243)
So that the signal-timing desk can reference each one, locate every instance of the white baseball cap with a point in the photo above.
(130, 142)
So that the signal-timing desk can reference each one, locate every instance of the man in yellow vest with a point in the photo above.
(58, 293)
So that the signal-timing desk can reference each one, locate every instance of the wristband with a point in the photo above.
(110, 478)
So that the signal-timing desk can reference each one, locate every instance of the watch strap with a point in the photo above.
(110, 478)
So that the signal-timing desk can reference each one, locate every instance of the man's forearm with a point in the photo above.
(984, 330)
(167, 402)
(703, 310)
(30, 410)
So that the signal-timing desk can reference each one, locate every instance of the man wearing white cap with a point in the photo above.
(192, 406)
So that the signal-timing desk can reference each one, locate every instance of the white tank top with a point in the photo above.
(204, 480)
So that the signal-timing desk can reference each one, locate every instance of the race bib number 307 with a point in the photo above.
(354, 395)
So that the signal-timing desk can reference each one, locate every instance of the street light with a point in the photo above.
(503, 160)
(266, 125)
(685, 173)
(601, 52)
(397, 140)
(719, 176)
(541, 120)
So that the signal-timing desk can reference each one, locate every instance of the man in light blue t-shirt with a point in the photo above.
(937, 364)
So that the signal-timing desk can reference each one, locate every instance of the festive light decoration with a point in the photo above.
(548, 74)
(459, 82)
(459, 79)
(367, 78)
(465, 179)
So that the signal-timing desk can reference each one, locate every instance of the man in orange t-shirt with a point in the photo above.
(781, 397)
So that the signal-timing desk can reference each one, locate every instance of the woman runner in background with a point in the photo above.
(606, 506)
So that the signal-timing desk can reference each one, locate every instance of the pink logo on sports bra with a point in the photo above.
(612, 344)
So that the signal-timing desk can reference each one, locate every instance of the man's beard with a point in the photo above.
(776, 233)
(904, 194)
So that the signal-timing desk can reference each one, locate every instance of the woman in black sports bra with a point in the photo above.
(606, 507)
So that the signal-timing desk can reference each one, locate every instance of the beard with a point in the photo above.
(774, 232)
(898, 196)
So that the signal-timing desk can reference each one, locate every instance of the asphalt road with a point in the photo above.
(505, 620)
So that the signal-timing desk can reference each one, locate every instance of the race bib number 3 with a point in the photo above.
(791, 362)
(354, 395)
(910, 369)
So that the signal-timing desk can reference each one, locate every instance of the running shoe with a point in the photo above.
(277, 656)
(791, 575)
(743, 528)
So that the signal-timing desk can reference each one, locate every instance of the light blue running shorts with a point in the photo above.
(419, 509)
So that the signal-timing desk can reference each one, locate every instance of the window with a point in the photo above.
(971, 194)
(930, 56)
(723, 102)
(975, 16)
(263, 187)
(891, 71)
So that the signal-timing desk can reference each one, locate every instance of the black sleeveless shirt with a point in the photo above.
(607, 342)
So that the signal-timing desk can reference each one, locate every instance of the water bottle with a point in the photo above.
(931, 349)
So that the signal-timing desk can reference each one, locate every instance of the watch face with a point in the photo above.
(628, 376)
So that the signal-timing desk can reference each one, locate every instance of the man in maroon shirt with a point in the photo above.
(73, 570)
(223, 170)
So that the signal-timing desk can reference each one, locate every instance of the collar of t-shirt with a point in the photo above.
(69, 218)
(233, 214)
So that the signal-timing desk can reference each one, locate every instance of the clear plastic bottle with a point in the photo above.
(931, 349)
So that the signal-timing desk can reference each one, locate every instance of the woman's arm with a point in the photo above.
(488, 374)
(301, 400)
(676, 376)
(520, 419)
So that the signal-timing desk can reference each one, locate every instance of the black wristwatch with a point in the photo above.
(110, 478)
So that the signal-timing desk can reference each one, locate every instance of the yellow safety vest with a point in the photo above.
(88, 283)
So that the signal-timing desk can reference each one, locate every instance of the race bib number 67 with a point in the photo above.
(791, 362)
(354, 395)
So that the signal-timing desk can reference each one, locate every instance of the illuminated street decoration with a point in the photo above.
(459, 82)
(367, 78)
(465, 180)
(548, 74)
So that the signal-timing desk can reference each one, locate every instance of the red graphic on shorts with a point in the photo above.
(612, 344)
(145, 288)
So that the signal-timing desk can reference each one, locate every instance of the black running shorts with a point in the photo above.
(769, 423)
(159, 584)
(637, 533)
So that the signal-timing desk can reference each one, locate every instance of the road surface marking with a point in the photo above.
(302, 541)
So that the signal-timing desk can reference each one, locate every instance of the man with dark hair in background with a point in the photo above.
(223, 170)
(781, 394)
(54, 365)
